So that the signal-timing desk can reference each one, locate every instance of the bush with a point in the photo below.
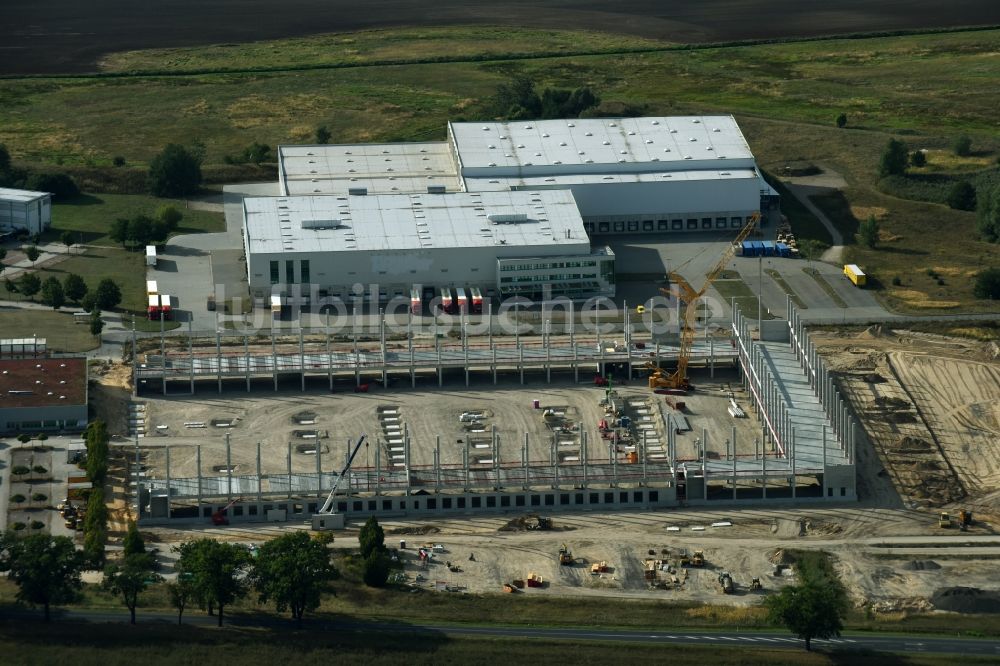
(60, 185)
(118, 161)
(18, 526)
(918, 158)
(897, 281)
(18, 498)
(962, 146)
(962, 196)
(39, 497)
(20, 469)
(39, 469)
(842, 120)
(987, 284)
(37, 524)
(24, 439)
(42, 437)
(894, 159)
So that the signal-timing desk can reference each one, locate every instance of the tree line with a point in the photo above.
(292, 571)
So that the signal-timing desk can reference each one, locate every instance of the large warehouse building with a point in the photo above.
(25, 210)
(511, 242)
(439, 214)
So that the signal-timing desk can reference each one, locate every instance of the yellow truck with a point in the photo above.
(855, 275)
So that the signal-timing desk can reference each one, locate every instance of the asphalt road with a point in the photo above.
(770, 639)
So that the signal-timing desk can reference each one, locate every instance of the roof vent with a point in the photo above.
(491, 146)
(357, 191)
(570, 125)
(589, 134)
(716, 130)
(322, 224)
(486, 128)
(492, 164)
(725, 173)
(545, 134)
(612, 125)
(696, 121)
(631, 133)
(562, 143)
(507, 218)
(606, 143)
(527, 127)
(520, 145)
(435, 189)
(649, 141)
(656, 122)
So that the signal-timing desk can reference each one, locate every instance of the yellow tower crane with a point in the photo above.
(678, 379)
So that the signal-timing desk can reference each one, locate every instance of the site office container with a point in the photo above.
(477, 300)
(462, 301)
(855, 275)
(166, 307)
(151, 288)
(275, 307)
(151, 255)
(415, 302)
(447, 304)
(153, 306)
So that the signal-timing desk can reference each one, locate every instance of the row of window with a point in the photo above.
(544, 278)
(692, 223)
(545, 266)
(290, 271)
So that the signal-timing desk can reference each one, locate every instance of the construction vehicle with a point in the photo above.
(678, 380)
(698, 559)
(565, 556)
(755, 584)
(965, 518)
(726, 583)
(220, 517)
(328, 504)
(944, 519)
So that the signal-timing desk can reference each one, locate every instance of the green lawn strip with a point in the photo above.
(89, 216)
(58, 328)
(746, 300)
(827, 287)
(787, 288)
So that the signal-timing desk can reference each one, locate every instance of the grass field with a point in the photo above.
(746, 301)
(58, 328)
(785, 97)
(110, 645)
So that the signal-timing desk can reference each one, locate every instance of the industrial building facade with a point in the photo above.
(513, 208)
(43, 395)
(517, 241)
(25, 210)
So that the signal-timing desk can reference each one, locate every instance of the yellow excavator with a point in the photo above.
(678, 380)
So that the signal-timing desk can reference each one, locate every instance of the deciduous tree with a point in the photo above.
(133, 543)
(323, 134)
(962, 196)
(371, 537)
(987, 284)
(32, 253)
(809, 610)
(988, 213)
(52, 293)
(292, 571)
(217, 571)
(962, 146)
(868, 232)
(74, 287)
(842, 120)
(29, 284)
(129, 578)
(46, 570)
(894, 159)
(108, 294)
(918, 158)
(176, 171)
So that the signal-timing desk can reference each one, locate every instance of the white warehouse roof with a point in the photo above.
(415, 221)
(21, 196)
(660, 143)
(500, 183)
(380, 168)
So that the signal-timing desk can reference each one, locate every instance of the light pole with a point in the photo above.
(760, 292)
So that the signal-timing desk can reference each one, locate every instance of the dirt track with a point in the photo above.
(59, 36)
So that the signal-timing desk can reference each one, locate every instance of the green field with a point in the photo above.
(926, 89)
(89, 217)
(58, 328)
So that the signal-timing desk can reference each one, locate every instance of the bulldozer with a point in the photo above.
(565, 556)
(698, 559)
(726, 583)
(944, 520)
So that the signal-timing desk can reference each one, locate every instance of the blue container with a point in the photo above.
(783, 250)
(769, 249)
(747, 250)
(758, 248)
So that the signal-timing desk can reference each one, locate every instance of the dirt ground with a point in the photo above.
(60, 36)
(930, 406)
(426, 413)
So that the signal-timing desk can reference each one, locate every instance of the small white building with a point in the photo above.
(24, 209)
(512, 243)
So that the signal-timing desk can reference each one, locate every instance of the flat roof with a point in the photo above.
(381, 168)
(660, 140)
(43, 382)
(22, 196)
(491, 183)
(414, 221)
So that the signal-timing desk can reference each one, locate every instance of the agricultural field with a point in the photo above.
(78, 36)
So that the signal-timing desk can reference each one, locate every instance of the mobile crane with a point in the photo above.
(678, 379)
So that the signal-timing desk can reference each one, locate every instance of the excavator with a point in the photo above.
(678, 381)
(219, 517)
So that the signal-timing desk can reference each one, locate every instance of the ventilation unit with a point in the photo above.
(507, 218)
